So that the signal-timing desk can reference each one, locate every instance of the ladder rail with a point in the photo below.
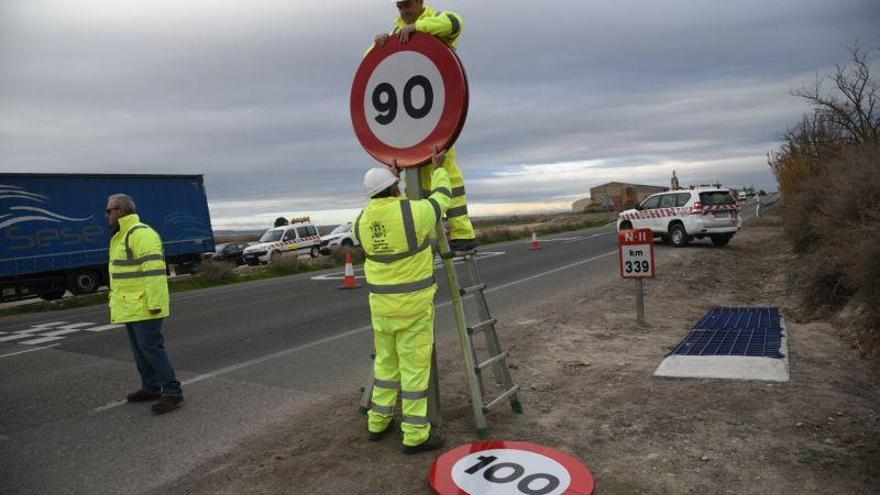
(483, 311)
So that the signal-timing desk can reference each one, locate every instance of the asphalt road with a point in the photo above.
(248, 355)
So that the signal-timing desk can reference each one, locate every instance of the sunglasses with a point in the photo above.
(108, 210)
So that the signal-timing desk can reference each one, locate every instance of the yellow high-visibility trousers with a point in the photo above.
(457, 215)
(403, 361)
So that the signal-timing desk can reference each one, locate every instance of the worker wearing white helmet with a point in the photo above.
(396, 237)
(446, 26)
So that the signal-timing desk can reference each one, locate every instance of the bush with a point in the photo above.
(835, 223)
(284, 265)
(215, 270)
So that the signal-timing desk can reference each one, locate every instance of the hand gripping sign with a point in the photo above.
(511, 468)
(408, 98)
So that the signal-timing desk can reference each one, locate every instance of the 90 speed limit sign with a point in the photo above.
(501, 467)
(408, 98)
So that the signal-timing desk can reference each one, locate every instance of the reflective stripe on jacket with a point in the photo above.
(396, 235)
(446, 25)
(138, 280)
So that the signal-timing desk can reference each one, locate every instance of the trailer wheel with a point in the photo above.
(52, 294)
(84, 282)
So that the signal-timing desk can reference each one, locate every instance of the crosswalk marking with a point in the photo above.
(51, 331)
(102, 328)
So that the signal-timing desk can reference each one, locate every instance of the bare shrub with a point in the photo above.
(837, 218)
(215, 270)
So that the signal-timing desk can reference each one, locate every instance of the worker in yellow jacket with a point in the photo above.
(396, 236)
(139, 299)
(447, 26)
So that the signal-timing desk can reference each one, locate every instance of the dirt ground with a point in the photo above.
(586, 369)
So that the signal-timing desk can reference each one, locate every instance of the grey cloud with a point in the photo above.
(256, 97)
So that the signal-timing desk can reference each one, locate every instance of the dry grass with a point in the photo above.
(834, 225)
(215, 269)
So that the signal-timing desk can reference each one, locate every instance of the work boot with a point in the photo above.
(434, 442)
(167, 403)
(375, 436)
(463, 245)
(142, 396)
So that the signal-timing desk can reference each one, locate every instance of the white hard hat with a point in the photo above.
(377, 179)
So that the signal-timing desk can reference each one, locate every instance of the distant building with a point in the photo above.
(621, 194)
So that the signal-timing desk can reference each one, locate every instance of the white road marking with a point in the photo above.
(589, 237)
(438, 263)
(285, 352)
(56, 330)
(28, 350)
(103, 328)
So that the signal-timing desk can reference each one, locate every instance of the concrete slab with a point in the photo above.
(729, 367)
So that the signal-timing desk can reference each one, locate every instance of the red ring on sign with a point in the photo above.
(440, 475)
(454, 110)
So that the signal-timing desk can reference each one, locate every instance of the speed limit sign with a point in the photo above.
(407, 98)
(511, 468)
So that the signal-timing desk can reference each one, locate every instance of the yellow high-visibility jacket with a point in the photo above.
(396, 236)
(446, 25)
(138, 280)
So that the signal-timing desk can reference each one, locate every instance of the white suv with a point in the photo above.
(287, 240)
(340, 237)
(679, 216)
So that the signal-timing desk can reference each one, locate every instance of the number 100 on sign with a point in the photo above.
(636, 253)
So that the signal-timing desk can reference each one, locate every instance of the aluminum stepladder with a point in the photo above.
(474, 368)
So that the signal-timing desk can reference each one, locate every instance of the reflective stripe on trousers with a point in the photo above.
(403, 355)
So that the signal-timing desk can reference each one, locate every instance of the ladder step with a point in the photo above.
(471, 289)
(479, 327)
(505, 395)
(492, 360)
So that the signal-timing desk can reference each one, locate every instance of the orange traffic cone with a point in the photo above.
(535, 246)
(350, 281)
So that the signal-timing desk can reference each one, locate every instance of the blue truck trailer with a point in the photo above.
(54, 236)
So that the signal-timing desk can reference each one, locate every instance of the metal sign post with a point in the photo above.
(637, 262)
(640, 301)
(413, 179)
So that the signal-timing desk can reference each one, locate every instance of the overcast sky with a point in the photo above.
(565, 94)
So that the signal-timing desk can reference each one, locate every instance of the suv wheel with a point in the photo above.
(626, 226)
(721, 240)
(678, 237)
(314, 252)
(347, 243)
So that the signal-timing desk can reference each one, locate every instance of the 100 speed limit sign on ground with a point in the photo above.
(509, 468)
(407, 98)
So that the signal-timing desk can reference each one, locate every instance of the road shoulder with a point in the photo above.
(586, 368)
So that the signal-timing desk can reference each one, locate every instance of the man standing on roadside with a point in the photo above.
(446, 26)
(139, 298)
(396, 236)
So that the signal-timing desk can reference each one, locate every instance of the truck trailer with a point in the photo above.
(54, 235)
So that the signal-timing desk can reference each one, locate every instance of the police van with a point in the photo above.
(682, 215)
(299, 237)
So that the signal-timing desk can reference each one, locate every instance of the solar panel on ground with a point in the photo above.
(752, 332)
